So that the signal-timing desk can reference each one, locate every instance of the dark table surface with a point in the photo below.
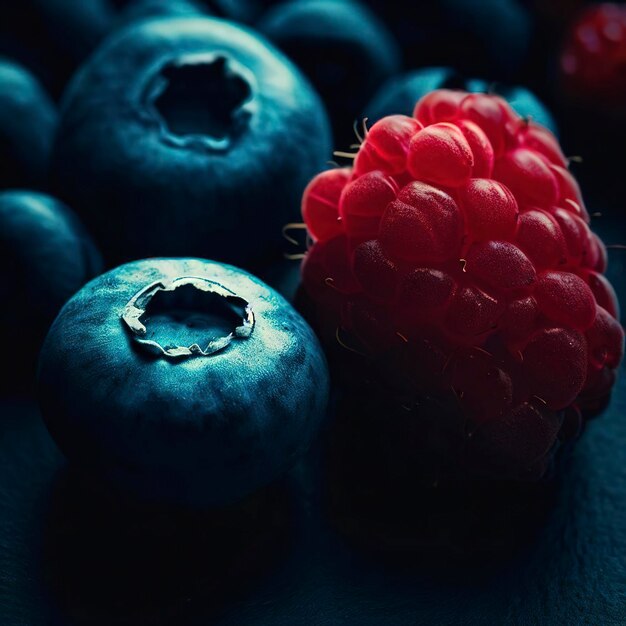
(69, 556)
(73, 555)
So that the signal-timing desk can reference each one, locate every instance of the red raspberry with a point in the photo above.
(593, 58)
(462, 230)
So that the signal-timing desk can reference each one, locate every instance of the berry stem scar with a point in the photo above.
(137, 306)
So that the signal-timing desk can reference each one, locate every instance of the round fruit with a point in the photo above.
(182, 381)
(593, 58)
(456, 258)
(28, 120)
(137, 10)
(46, 257)
(187, 136)
(399, 94)
(479, 37)
(244, 11)
(342, 47)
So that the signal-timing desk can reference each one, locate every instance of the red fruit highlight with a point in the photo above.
(461, 233)
(529, 177)
(441, 105)
(481, 148)
(490, 209)
(440, 154)
(542, 141)
(386, 145)
(489, 113)
(320, 203)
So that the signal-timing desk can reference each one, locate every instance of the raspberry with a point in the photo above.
(461, 233)
(538, 234)
(423, 224)
(440, 154)
(490, 209)
(592, 58)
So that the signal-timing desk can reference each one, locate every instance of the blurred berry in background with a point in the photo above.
(485, 38)
(399, 94)
(46, 257)
(593, 59)
(28, 121)
(344, 49)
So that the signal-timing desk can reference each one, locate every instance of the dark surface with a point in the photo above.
(71, 556)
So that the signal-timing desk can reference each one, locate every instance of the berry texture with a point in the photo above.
(187, 136)
(456, 255)
(593, 58)
(182, 381)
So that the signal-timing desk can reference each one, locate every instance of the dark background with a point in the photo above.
(553, 553)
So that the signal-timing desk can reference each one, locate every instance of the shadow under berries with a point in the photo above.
(386, 500)
(107, 560)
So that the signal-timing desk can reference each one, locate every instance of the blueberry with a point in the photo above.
(479, 37)
(137, 10)
(51, 37)
(182, 381)
(188, 136)
(342, 47)
(400, 94)
(28, 120)
(237, 10)
(46, 256)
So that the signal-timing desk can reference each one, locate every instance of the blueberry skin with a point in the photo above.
(137, 10)
(200, 431)
(344, 49)
(400, 94)
(479, 37)
(28, 121)
(145, 191)
(46, 256)
(245, 11)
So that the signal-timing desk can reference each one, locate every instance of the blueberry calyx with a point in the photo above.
(135, 316)
(200, 100)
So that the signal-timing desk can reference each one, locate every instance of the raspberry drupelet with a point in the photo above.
(456, 256)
